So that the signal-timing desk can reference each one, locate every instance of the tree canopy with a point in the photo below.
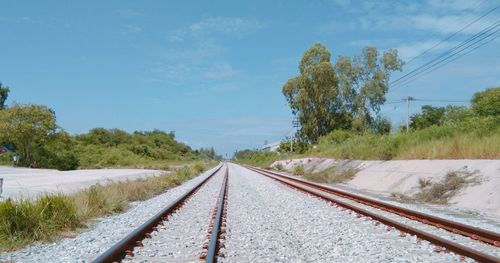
(4, 93)
(347, 95)
(26, 126)
(486, 103)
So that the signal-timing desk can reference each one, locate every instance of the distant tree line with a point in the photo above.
(33, 131)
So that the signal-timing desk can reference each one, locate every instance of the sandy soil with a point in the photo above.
(28, 183)
(402, 176)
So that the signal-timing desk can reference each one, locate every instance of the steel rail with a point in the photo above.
(452, 246)
(126, 245)
(475, 233)
(213, 246)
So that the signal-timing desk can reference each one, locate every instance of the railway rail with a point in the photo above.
(325, 192)
(134, 239)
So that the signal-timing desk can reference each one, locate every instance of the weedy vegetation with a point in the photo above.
(332, 175)
(442, 191)
(49, 217)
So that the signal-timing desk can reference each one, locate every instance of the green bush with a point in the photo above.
(474, 137)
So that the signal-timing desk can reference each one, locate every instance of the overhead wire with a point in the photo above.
(455, 33)
(447, 57)
(460, 50)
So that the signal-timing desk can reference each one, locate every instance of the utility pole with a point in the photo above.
(295, 124)
(408, 99)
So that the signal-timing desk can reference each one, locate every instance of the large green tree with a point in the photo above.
(4, 93)
(487, 103)
(27, 126)
(346, 95)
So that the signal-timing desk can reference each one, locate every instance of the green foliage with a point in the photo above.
(327, 97)
(58, 152)
(430, 116)
(4, 93)
(381, 125)
(474, 137)
(255, 157)
(116, 148)
(25, 221)
(27, 126)
(299, 146)
(487, 103)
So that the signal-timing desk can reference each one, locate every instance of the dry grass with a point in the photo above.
(23, 222)
(442, 191)
(298, 170)
(456, 147)
(279, 167)
(332, 175)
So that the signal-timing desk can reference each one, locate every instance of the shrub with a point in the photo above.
(487, 103)
(298, 169)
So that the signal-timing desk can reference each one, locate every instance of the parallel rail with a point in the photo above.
(126, 245)
(325, 192)
(213, 247)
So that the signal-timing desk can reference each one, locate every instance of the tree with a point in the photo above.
(27, 126)
(363, 83)
(487, 103)
(381, 125)
(344, 96)
(57, 152)
(313, 95)
(430, 116)
(4, 93)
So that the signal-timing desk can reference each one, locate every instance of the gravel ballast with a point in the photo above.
(104, 233)
(269, 222)
(181, 237)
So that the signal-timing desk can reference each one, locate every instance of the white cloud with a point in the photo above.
(133, 29)
(410, 50)
(129, 13)
(220, 71)
(230, 25)
(448, 24)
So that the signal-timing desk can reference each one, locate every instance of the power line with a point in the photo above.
(457, 50)
(475, 36)
(454, 34)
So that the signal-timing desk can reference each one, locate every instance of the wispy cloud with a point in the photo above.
(220, 71)
(410, 50)
(197, 54)
(21, 19)
(133, 29)
(128, 13)
(228, 25)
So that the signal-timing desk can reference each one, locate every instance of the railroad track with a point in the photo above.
(125, 247)
(331, 195)
(149, 233)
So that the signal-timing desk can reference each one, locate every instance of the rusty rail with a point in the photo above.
(324, 191)
(126, 245)
(213, 247)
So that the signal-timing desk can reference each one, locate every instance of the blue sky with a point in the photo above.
(212, 71)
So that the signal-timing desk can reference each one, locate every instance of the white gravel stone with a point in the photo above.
(104, 233)
(269, 222)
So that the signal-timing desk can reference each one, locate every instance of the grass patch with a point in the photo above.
(475, 138)
(298, 170)
(47, 218)
(279, 167)
(332, 175)
(442, 191)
